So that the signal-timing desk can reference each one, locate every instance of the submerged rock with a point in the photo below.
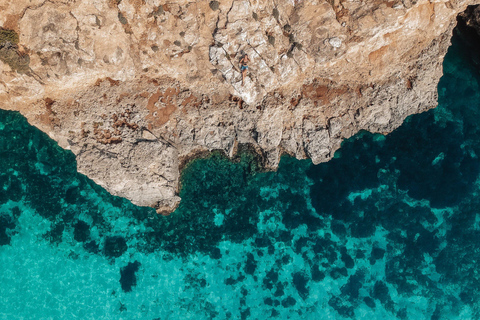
(115, 246)
(128, 278)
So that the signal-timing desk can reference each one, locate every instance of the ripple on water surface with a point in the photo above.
(389, 229)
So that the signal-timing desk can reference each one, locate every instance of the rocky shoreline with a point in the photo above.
(135, 89)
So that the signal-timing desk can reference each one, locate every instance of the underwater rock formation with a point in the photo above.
(136, 88)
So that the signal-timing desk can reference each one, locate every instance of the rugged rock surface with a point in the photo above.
(136, 87)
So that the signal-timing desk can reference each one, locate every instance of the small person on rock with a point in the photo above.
(244, 67)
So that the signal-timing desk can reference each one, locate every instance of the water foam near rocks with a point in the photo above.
(388, 229)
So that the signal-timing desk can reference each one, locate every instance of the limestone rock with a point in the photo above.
(135, 88)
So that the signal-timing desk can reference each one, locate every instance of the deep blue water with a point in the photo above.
(388, 229)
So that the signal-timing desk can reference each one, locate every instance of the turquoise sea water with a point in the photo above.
(389, 229)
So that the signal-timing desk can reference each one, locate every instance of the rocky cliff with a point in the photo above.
(134, 88)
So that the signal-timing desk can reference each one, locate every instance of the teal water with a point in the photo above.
(389, 229)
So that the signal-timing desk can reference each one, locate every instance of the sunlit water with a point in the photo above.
(389, 229)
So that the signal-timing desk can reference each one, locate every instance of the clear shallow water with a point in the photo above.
(389, 229)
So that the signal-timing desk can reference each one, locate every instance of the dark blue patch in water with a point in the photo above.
(115, 246)
(439, 170)
(300, 281)
(128, 278)
(81, 232)
(7, 224)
